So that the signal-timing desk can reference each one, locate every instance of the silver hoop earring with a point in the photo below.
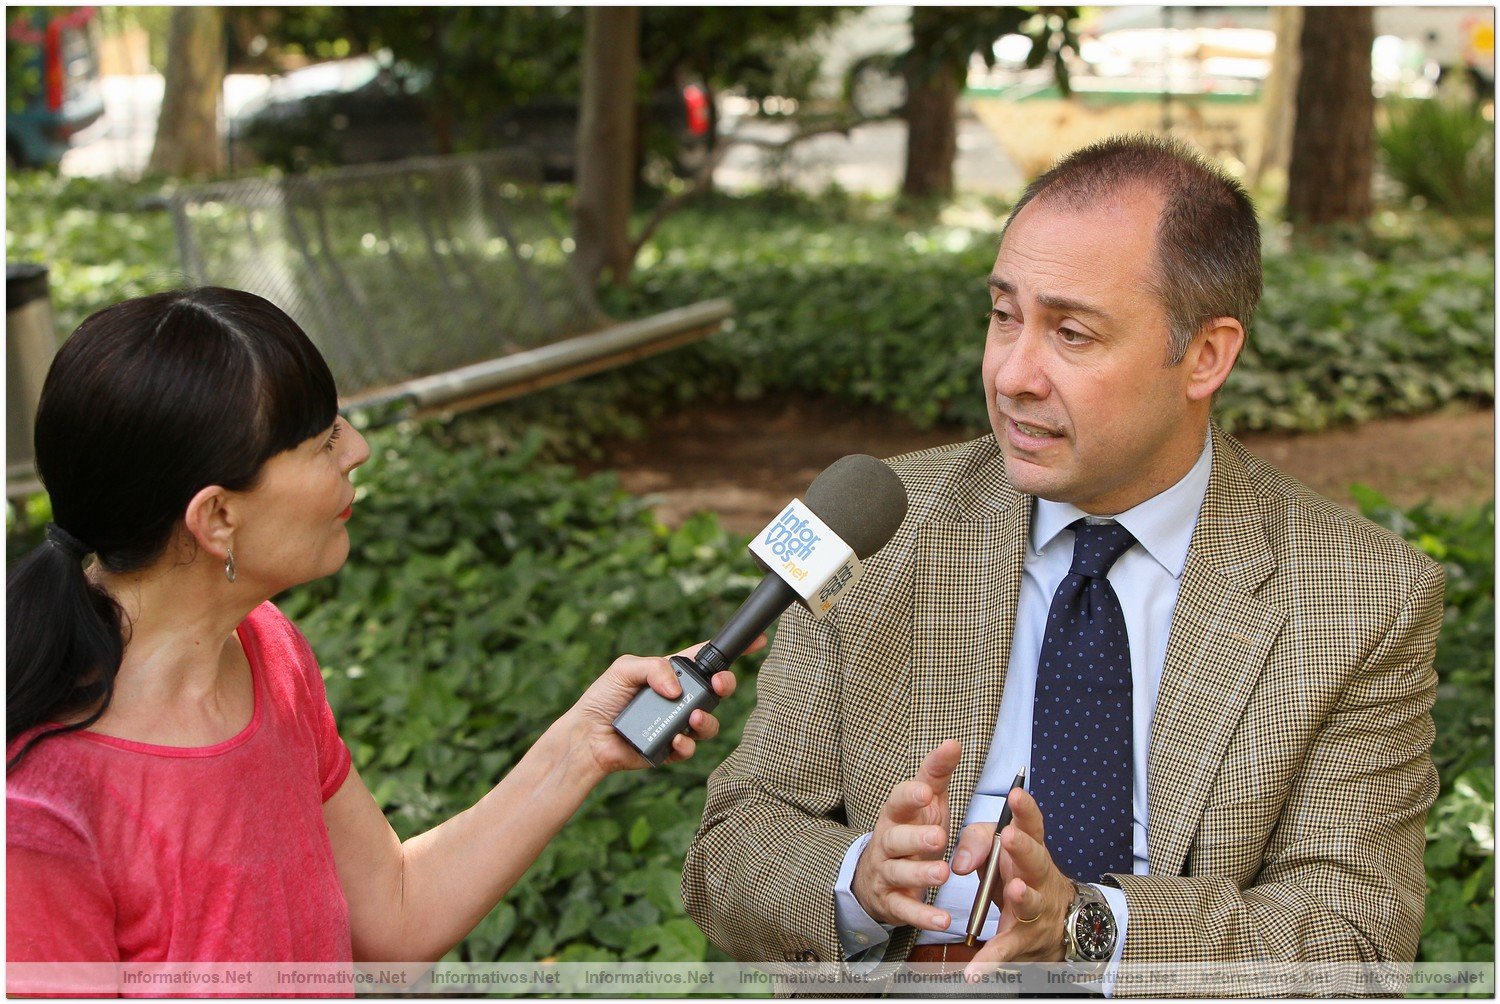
(229, 565)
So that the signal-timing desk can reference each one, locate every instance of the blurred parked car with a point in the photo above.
(364, 110)
(52, 82)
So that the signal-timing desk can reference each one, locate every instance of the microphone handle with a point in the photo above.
(650, 722)
(760, 608)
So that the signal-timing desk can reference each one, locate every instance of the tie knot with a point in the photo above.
(1097, 546)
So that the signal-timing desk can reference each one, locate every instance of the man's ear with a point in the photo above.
(1212, 355)
(210, 520)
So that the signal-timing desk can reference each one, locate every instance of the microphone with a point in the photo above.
(813, 551)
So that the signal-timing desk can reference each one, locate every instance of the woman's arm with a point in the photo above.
(415, 901)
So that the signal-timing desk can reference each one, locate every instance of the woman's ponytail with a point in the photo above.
(63, 639)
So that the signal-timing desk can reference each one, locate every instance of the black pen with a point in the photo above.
(991, 870)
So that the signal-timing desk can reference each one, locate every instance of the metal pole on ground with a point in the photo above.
(30, 343)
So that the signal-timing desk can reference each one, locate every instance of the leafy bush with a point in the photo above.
(1349, 335)
(1442, 151)
(99, 244)
(1460, 921)
(842, 296)
(866, 307)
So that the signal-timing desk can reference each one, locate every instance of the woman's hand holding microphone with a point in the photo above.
(592, 717)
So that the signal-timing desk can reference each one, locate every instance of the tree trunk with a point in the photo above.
(1279, 97)
(440, 109)
(187, 134)
(931, 131)
(1333, 138)
(934, 71)
(606, 142)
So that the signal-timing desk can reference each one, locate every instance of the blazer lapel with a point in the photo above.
(966, 584)
(1221, 634)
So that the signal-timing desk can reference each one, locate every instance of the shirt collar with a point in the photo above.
(1163, 524)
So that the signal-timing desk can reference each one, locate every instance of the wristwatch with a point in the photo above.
(1089, 934)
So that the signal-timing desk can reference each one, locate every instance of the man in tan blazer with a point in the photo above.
(1283, 765)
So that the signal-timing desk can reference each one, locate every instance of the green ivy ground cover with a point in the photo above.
(483, 593)
(1460, 921)
(515, 584)
(485, 588)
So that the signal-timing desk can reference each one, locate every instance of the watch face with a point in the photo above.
(1094, 932)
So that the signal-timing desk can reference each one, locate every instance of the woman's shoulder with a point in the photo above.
(49, 794)
(279, 649)
(275, 637)
(268, 620)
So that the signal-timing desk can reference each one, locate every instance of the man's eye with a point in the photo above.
(1071, 337)
(999, 315)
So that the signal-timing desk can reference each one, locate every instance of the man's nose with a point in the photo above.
(1022, 371)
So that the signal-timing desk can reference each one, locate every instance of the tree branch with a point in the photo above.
(670, 205)
(842, 126)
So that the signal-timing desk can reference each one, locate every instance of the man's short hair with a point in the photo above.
(1207, 240)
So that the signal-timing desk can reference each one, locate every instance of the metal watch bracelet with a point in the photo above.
(1089, 933)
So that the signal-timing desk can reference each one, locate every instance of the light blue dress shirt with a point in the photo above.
(1145, 578)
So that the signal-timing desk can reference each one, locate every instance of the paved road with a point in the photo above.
(868, 160)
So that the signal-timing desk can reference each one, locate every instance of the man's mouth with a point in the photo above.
(1035, 431)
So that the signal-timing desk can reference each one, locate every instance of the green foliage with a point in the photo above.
(23, 56)
(482, 594)
(1460, 921)
(155, 22)
(741, 47)
(1441, 150)
(481, 59)
(25, 520)
(97, 242)
(844, 298)
(1346, 335)
(945, 38)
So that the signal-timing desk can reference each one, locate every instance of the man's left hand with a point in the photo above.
(1034, 890)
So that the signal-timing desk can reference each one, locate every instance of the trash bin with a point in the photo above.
(30, 342)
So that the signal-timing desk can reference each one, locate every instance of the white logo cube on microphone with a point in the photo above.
(811, 558)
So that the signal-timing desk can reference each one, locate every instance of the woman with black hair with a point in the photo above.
(177, 789)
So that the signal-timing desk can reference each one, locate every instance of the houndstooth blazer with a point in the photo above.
(1290, 761)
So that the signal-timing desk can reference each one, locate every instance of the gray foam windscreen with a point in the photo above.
(861, 500)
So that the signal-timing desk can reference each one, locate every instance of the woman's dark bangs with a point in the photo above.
(298, 396)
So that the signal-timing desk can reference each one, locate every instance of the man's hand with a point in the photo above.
(905, 853)
(1036, 896)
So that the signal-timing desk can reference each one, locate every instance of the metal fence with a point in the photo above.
(400, 270)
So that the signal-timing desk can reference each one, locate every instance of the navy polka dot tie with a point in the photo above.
(1080, 732)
